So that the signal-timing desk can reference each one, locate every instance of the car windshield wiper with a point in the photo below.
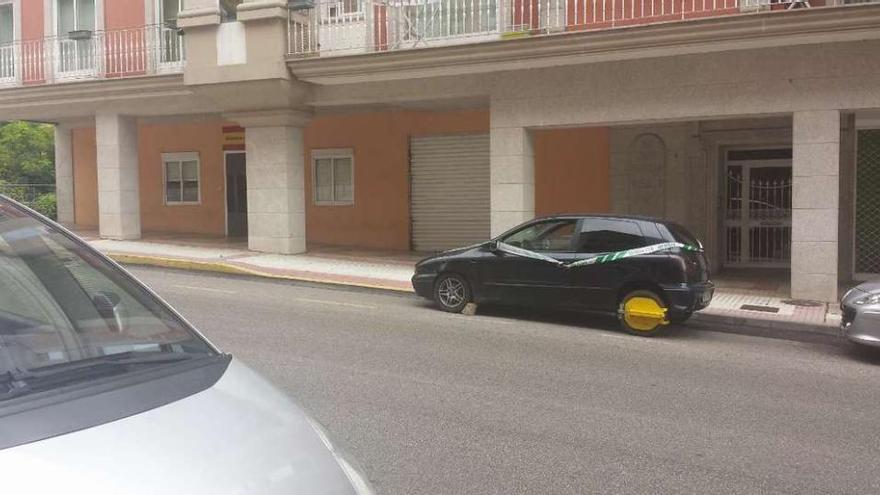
(18, 382)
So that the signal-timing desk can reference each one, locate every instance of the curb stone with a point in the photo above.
(722, 323)
(219, 267)
(786, 330)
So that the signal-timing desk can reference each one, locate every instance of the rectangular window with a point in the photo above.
(7, 49)
(333, 177)
(169, 11)
(76, 15)
(6, 24)
(182, 184)
(345, 9)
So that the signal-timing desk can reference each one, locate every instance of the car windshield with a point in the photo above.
(63, 308)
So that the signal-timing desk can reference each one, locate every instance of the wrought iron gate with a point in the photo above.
(867, 231)
(757, 219)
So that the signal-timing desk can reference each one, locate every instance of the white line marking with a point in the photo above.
(336, 303)
(207, 289)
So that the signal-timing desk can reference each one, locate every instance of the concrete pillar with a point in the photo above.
(193, 8)
(64, 174)
(511, 177)
(815, 202)
(119, 214)
(275, 180)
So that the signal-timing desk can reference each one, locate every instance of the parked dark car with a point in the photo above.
(860, 307)
(647, 272)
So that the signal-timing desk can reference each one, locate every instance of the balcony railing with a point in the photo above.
(347, 27)
(92, 55)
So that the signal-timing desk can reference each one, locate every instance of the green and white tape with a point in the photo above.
(595, 260)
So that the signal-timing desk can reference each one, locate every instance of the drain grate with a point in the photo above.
(763, 309)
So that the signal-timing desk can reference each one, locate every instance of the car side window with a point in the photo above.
(552, 236)
(603, 235)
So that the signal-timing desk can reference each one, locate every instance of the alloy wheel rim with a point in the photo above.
(451, 292)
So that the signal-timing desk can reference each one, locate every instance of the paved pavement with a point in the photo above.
(392, 270)
(375, 270)
(511, 402)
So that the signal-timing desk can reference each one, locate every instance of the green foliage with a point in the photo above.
(27, 153)
(47, 205)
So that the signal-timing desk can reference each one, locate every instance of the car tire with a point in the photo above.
(452, 292)
(642, 313)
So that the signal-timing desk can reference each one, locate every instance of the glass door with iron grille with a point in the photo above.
(76, 45)
(7, 48)
(757, 217)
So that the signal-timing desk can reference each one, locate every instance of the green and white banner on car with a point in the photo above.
(595, 260)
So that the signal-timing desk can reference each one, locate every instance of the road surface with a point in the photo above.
(510, 401)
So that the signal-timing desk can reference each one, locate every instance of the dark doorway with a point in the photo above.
(236, 195)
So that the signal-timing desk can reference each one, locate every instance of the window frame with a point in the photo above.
(14, 7)
(159, 5)
(180, 157)
(332, 154)
(576, 222)
(98, 8)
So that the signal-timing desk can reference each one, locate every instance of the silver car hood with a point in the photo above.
(241, 436)
(870, 287)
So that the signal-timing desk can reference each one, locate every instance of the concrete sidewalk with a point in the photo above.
(732, 307)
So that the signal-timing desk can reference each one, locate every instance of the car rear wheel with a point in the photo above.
(452, 292)
(643, 312)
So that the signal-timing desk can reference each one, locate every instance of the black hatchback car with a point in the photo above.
(647, 272)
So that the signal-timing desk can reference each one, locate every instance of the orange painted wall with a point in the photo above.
(572, 171)
(85, 178)
(380, 215)
(206, 138)
(571, 174)
(31, 19)
(123, 14)
(209, 217)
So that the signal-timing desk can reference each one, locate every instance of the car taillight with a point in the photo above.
(696, 267)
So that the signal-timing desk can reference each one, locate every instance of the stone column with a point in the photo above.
(511, 177)
(275, 180)
(815, 203)
(118, 185)
(64, 174)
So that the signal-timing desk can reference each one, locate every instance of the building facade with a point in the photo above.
(426, 124)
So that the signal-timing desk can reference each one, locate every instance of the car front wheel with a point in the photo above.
(643, 312)
(452, 292)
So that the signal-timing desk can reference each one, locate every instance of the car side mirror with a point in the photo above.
(109, 306)
(492, 246)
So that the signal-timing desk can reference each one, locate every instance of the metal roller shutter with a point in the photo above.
(450, 191)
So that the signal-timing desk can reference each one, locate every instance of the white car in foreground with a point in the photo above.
(104, 389)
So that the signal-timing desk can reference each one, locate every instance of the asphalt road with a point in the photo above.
(510, 401)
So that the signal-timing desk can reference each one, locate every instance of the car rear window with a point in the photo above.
(604, 235)
(681, 234)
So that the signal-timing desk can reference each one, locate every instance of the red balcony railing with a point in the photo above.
(92, 55)
(334, 27)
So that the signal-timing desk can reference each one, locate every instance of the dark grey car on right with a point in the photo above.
(860, 322)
